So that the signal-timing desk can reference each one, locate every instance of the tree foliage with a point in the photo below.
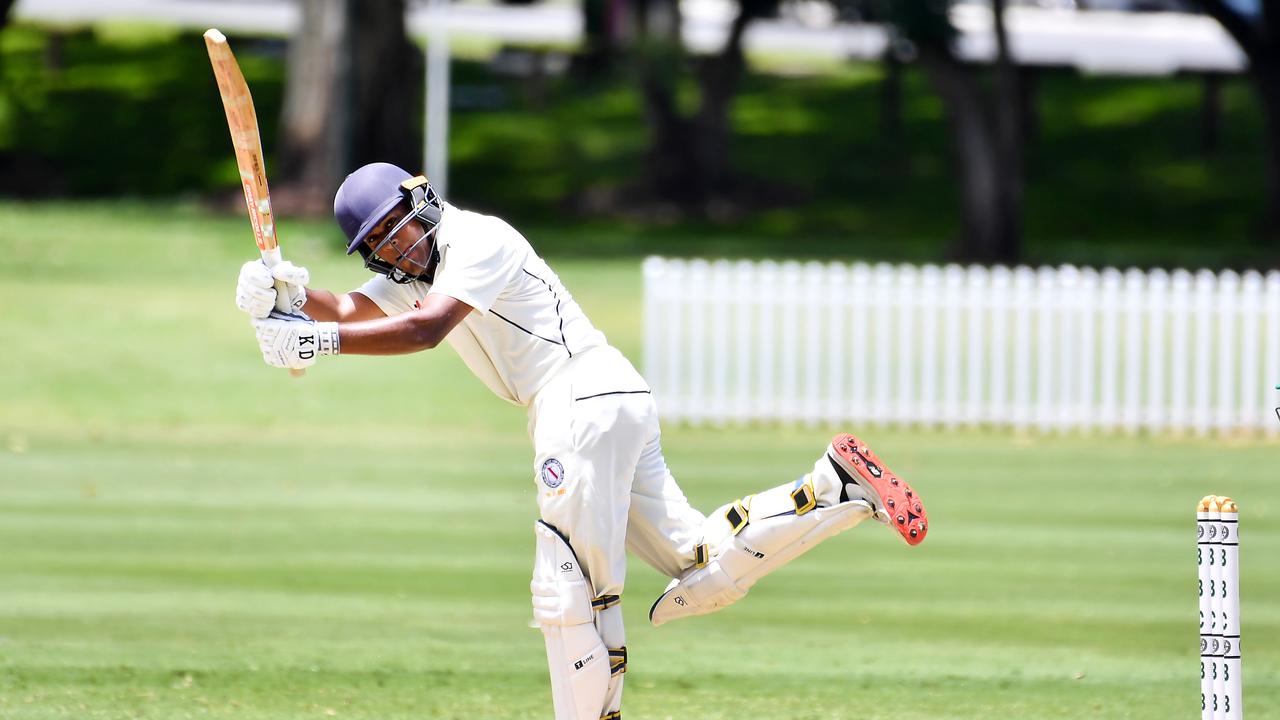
(1259, 37)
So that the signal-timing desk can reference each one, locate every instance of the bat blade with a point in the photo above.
(242, 120)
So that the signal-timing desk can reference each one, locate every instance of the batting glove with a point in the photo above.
(294, 341)
(256, 292)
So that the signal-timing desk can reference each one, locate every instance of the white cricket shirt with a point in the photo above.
(525, 325)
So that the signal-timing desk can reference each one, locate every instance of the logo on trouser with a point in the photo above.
(552, 473)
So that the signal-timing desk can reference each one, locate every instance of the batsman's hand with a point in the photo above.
(293, 341)
(256, 292)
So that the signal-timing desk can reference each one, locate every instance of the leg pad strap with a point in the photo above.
(751, 538)
(617, 660)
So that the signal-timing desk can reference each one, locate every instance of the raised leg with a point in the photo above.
(747, 539)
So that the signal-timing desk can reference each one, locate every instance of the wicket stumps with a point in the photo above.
(1218, 557)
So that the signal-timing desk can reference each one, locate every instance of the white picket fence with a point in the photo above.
(1048, 348)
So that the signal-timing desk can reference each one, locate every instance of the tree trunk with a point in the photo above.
(1007, 114)
(719, 82)
(985, 129)
(315, 122)
(387, 84)
(353, 87)
(891, 98)
(688, 162)
(1266, 76)
(606, 27)
(660, 57)
(1210, 113)
(974, 142)
(1260, 40)
(5, 7)
(1029, 107)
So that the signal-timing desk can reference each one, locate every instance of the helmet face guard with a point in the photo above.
(399, 264)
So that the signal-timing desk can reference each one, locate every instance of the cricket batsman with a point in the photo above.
(443, 274)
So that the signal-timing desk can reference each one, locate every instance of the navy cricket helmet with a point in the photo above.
(366, 198)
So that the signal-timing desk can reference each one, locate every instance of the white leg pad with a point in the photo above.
(750, 539)
(586, 679)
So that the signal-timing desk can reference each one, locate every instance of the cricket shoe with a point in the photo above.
(895, 502)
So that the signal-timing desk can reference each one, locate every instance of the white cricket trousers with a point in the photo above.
(600, 475)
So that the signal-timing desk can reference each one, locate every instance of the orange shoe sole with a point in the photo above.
(855, 462)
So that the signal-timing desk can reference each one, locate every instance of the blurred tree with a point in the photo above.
(985, 126)
(314, 121)
(5, 7)
(688, 160)
(604, 32)
(352, 92)
(891, 97)
(1258, 34)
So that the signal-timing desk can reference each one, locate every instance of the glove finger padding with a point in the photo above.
(256, 273)
(255, 289)
(287, 272)
(255, 301)
(295, 279)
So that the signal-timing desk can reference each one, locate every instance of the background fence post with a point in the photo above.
(1156, 415)
(1086, 350)
(908, 284)
(1228, 369)
(1046, 359)
(1272, 354)
(1180, 350)
(975, 310)
(1056, 349)
(1250, 408)
(1205, 287)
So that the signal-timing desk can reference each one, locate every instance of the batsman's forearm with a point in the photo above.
(395, 335)
(322, 306)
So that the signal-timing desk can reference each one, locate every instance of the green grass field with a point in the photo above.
(185, 532)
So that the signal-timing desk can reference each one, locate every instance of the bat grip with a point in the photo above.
(272, 258)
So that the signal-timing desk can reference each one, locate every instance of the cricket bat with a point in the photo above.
(243, 121)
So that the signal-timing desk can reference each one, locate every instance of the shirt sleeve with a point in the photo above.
(390, 297)
(479, 265)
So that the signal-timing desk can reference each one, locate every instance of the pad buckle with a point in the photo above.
(737, 517)
(604, 602)
(700, 555)
(618, 660)
(805, 498)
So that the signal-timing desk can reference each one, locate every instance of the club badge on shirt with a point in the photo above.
(552, 473)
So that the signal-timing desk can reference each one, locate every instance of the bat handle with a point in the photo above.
(272, 258)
